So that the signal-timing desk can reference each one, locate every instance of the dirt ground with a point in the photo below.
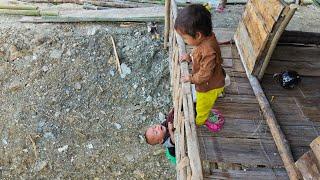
(67, 113)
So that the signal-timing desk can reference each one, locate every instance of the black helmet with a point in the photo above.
(288, 79)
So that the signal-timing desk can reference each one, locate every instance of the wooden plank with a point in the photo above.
(307, 166)
(309, 87)
(270, 11)
(315, 146)
(306, 109)
(245, 45)
(298, 136)
(239, 150)
(243, 151)
(292, 54)
(304, 60)
(243, 120)
(256, 28)
(302, 67)
(300, 37)
(249, 174)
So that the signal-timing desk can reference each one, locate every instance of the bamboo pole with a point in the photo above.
(113, 4)
(276, 132)
(64, 19)
(54, 1)
(180, 144)
(28, 12)
(18, 7)
(147, 1)
(167, 24)
(282, 27)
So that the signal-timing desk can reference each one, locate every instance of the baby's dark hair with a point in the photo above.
(192, 19)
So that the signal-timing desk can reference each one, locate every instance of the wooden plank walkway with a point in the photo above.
(245, 138)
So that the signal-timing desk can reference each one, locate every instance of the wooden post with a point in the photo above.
(276, 132)
(167, 24)
(282, 27)
(307, 166)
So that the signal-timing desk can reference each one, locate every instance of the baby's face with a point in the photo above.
(155, 134)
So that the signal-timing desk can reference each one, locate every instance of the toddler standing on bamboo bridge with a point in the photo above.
(194, 25)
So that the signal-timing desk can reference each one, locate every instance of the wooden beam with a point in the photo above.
(277, 134)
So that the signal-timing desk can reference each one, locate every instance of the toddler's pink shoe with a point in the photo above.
(215, 121)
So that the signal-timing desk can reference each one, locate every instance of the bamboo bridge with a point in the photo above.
(270, 132)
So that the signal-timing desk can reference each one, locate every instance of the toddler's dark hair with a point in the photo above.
(192, 19)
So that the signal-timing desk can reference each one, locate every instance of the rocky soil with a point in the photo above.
(67, 113)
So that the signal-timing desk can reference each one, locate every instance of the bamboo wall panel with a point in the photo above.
(270, 11)
(246, 49)
(256, 27)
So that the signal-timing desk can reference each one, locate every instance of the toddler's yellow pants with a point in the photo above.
(205, 102)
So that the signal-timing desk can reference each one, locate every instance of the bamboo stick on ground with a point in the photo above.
(18, 7)
(54, 1)
(34, 147)
(116, 54)
(113, 4)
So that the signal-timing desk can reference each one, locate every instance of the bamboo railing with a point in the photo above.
(186, 141)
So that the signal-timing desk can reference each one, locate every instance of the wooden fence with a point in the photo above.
(186, 140)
